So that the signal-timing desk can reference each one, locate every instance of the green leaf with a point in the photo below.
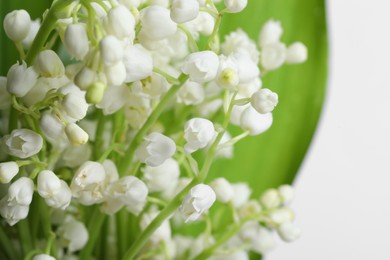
(274, 157)
(8, 53)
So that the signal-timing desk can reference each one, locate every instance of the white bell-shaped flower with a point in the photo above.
(8, 171)
(73, 235)
(184, 10)
(49, 65)
(242, 193)
(163, 177)
(85, 77)
(289, 232)
(120, 22)
(111, 50)
(264, 101)
(34, 28)
(264, 241)
(138, 63)
(23, 143)
(270, 33)
(114, 99)
(76, 41)
(55, 191)
(239, 42)
(281, 215)
(21, 79)
(21, 192)
(155, 149)
(191, 93)
(157, 23)
(198, 132)
(296, 53)
(273, 55)
(223, 189)
(202, 24)
(235, 6)
(116, 74)
(270, 199)
(111, 171)
(255, 122)
(17, 25)
(286, 193)
(76, 135)
(43, 257)
(75, 106)
(247, 68)
(51, 125)
(201, 66)
(200, 198)
(228, 76)
(12, 213)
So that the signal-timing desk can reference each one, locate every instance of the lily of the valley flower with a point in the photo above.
(21, 79)
(198, 132)
(17, 25)
(8, 171)
(23, 143)
(156, 149)
(264, 101)
(184, 10)
(201, 66)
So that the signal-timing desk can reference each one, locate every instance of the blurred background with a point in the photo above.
(342, 202)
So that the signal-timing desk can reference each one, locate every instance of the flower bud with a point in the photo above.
(21, 79)
(286, 193)
(289, 232)
(49, 65)
(296, 53)
(270, 199)
(8, 171)
(199, 200)
(48, 183)
(264, 241)
(84, 78)
(120, 22)
(242, 193)
(17, 25)
(191, 93)
(51, 125)
(73, 235)
(270, 33)
(254, 122)
(76, 134)
(235, 6)
(138, 63)
(21, 192)
(157, 23)
(111, 50)
(23, 143)
(155, 149)
(198, 132)
(95, 92)
(223, 189)
(201, 66)
(273, 56)
(184, 10)
(43, 257)
(34, 28)
(76, 41)
(264, 101)
(163, 177)
(75, 106)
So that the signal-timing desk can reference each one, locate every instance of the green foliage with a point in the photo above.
(274, 157)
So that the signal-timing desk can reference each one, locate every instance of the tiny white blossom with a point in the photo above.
(223, 189)
(247, 68)
(8, 171)
(264, 241)
(21, 79)
(227, 76)
(17, 25)
(255, 122)
(198, 132)
(114, 99)
(184, 10)
(43, 257)
(239, 41)
(21, 192)
(200, 198)
(138, 63)
(155, 149)
(241, 194)
(49, 65)
(264, 101)
(289, 232)
(51, 125)
(163, 177)
(157, 23)
(76, 134)
(270, 199)
(111, 50)
(12, 213)
(201, 66)
(55, 191)
(191, 93)
(270, 33)
(75, 106)
(116, 74)
(235, 6)
(76, 41)
(73, 235)
(281, 215)
(203, 24)
(296, 53)
(34, 28)
(273, 55)
(286, 193)
(120, 22)
(23, 143)
(85, 77)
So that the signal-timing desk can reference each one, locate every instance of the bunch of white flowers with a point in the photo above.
(110, 139)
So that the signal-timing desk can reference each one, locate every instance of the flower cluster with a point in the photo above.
(106, 115)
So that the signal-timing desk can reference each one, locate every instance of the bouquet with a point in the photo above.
(110, 122)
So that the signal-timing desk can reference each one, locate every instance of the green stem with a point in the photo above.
(47, 26)
(25, 236)
(6, 245)
(121, 231)
(128, 157)
(94, 226)
(99, 142)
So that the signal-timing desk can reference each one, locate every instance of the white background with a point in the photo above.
(343, 190)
